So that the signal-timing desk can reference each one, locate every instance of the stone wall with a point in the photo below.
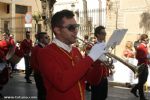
(126, 14)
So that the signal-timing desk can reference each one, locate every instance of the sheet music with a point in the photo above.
(116, 38)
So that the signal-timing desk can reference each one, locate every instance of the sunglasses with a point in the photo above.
(72, 27)
(46, 37)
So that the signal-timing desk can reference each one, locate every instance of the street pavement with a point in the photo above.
(18, 89)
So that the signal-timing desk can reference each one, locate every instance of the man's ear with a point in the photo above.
(57, 30)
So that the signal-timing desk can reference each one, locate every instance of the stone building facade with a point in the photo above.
(112, 14)
(13, 14)
(130, 14)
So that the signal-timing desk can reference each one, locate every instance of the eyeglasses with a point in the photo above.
(72, 27)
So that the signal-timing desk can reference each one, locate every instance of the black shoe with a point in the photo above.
(28, 81)
(134, 93)
(1, 96)
(128, 85)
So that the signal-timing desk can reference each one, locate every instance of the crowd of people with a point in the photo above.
(60, 70)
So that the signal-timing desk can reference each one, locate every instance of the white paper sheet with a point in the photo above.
(116, 38)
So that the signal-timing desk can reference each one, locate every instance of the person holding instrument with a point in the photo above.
(62, 66)
(142, 56)
(42, 41)
(99, 92)
(6, 44)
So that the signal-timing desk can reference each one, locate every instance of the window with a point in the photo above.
(21, 9)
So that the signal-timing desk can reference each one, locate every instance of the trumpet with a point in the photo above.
(108, 62)
(110, 57)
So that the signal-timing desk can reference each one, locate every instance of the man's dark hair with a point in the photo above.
(27, 32)
(143, 37)
(86, 37)
(57, 21)
(7, 32)
(40, 35)
(98, 30)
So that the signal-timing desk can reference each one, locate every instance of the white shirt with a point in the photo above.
(62, 45)
(43, 45)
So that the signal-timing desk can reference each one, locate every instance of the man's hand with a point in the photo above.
(103, 58)
(97, 50)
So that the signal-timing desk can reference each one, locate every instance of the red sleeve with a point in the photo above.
(58, 70)
(19, 52)
(2, 55)
(141, 52)
(11, 41)
(96, 72)
(26, 46)
(94, 76)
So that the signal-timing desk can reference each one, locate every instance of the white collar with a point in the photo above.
(43, 45)
(144, 44)
(62, 45)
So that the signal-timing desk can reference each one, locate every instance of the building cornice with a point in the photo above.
(19, 2)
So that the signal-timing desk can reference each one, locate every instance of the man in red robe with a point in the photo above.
(42, 41)
(142, 57)
(26, 46)
(6, 44)
(62, 67)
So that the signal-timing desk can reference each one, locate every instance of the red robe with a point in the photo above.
(141, 54)
(2, 56)
(104, 71)
(26, 46)
(5, 46)
(61, 76)
(34, 57)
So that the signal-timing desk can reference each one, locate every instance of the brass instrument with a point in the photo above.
(129, 65)
(109, 63)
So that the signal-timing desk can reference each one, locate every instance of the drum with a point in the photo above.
(10, 53)
(15, 59)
